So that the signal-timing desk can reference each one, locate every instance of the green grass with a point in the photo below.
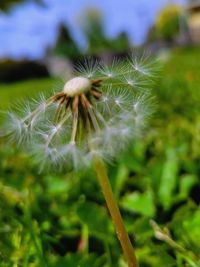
(60, 219)
(10, 93)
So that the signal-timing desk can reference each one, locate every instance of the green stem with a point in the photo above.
(115, 213)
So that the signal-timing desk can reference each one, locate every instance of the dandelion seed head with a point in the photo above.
(97, 112)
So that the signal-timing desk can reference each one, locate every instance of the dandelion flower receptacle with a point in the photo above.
(90, 120)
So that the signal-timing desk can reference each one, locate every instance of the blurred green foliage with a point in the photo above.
(5, 5)
(65, 45)
(98, 42)
(169, 22)
(59, 220)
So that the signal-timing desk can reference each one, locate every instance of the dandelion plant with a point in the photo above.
(90, 121)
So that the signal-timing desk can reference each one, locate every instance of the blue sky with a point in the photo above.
(28, 29)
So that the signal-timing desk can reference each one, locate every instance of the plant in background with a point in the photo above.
(90, 121)
(170, 22)
(91, 23)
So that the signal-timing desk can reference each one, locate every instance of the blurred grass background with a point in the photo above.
(61, 220)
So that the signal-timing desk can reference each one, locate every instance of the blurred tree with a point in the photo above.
(98, 43)
(12, 71)
(6, 4)
(93, 29)
(65, 45)
(169, 22)
(121, 43)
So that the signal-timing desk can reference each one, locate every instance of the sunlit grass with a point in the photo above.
(10, 93)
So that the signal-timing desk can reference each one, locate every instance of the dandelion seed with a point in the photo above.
(87, 69)
(143, 65)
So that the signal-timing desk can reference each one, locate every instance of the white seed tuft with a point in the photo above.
(77, 86)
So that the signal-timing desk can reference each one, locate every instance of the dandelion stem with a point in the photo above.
(115, 213)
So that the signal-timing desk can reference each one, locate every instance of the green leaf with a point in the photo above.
(96, 218)
(141, 203)
(191, 226)
(143, 229)
(57, 186)
(76, 260)
(168, 180)
(186, 183)
(122, 174)
(71, 260)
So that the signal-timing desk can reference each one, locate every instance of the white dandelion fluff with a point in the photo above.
(98, 111)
